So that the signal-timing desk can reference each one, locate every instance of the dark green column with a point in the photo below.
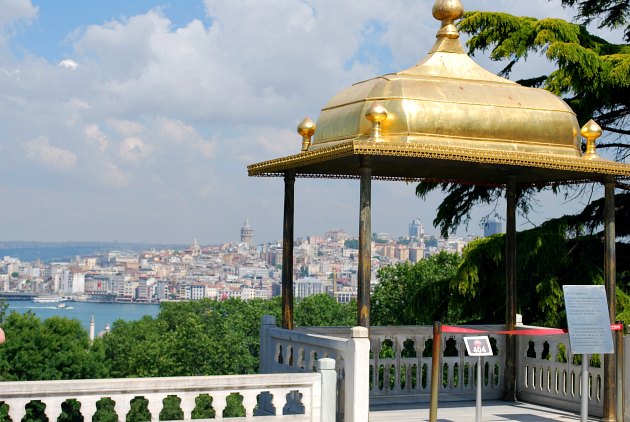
(610, 264)
(287, 251)
(510, 290)
(365, 242)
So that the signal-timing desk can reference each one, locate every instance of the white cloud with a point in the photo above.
(178, 131)
(40, 150)
(94, 135)
(134, 150)
(69, 64)
(16, 10)
(126, 127)
(187, 107)
(113, 176)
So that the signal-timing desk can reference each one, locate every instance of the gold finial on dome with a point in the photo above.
(377, 113)
(591, 131)
(448, 11)
(306, 129)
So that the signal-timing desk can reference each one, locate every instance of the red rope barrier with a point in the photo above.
(524, 332)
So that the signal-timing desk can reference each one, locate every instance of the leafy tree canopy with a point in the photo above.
(54, 349)
(592, 75)
(410, 294)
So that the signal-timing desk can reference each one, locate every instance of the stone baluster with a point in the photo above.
(122, 405)
(278, 399)
(17, 408)
(156, 402)
(88, 407)
(398, 348)
(376, 350)
(249, 402)
(219, 403)
(187, 404)
(53, 407)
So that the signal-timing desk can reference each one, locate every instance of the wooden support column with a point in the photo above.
(610, 260)
(365, 242)
(287, 250)
(510, 290)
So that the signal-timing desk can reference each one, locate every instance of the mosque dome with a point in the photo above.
(447, 99)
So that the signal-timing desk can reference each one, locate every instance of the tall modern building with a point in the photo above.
(247, 233)
(491, 227)
(416, 229)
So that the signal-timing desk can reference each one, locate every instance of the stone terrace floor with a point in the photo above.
(492, 410)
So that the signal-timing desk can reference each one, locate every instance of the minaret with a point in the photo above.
(92, 328)
(247, 233)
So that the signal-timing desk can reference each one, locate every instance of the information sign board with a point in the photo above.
(478, 346)
(588, 319)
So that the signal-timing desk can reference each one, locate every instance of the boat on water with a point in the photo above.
(49, 299)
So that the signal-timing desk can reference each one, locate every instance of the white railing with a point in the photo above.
(295, 351)
(399, 365)
(548, 375)
(279, 397)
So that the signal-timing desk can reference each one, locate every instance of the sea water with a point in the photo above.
(104, 313)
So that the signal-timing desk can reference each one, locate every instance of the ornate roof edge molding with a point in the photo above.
(436, 152)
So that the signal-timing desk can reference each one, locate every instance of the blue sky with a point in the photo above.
(135, 120)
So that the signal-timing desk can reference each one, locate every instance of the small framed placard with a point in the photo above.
(588, 319)
(478, 346)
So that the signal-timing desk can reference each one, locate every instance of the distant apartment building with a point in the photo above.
(416, 229)
(492, 227)
(306, 287)
(416, 254)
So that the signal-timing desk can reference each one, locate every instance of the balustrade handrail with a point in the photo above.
(304, 389)
(103, 387)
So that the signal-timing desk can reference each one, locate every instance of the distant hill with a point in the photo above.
(63, 251)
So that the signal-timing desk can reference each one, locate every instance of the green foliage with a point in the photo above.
(591, 71)
(203, 407)
(70, 411)
(139, 410)
(172, 410)
(105, 411)
(409, 294)
(322, 310)
(611, 14)
(548, 257)
(57, 348)
(592, 74)
(190, 338)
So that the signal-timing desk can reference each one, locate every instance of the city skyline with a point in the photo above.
(135, 121)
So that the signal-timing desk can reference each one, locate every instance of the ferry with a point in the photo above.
(49, 299)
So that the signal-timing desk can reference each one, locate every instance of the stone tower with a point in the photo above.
(247, 233)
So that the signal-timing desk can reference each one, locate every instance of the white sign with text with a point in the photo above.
(588, 319)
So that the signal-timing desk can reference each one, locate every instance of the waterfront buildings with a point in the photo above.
(325, 263)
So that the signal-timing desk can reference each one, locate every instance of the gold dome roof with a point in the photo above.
(448, 99)
(447, 119)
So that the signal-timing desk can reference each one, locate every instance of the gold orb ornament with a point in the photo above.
(306, 129)
(591, 131)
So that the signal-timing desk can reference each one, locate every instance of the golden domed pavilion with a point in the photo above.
(445, 119)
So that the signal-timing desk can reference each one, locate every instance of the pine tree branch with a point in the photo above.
(613, 145)
(616, 130)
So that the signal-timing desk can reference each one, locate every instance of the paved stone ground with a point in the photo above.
(465, 412)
